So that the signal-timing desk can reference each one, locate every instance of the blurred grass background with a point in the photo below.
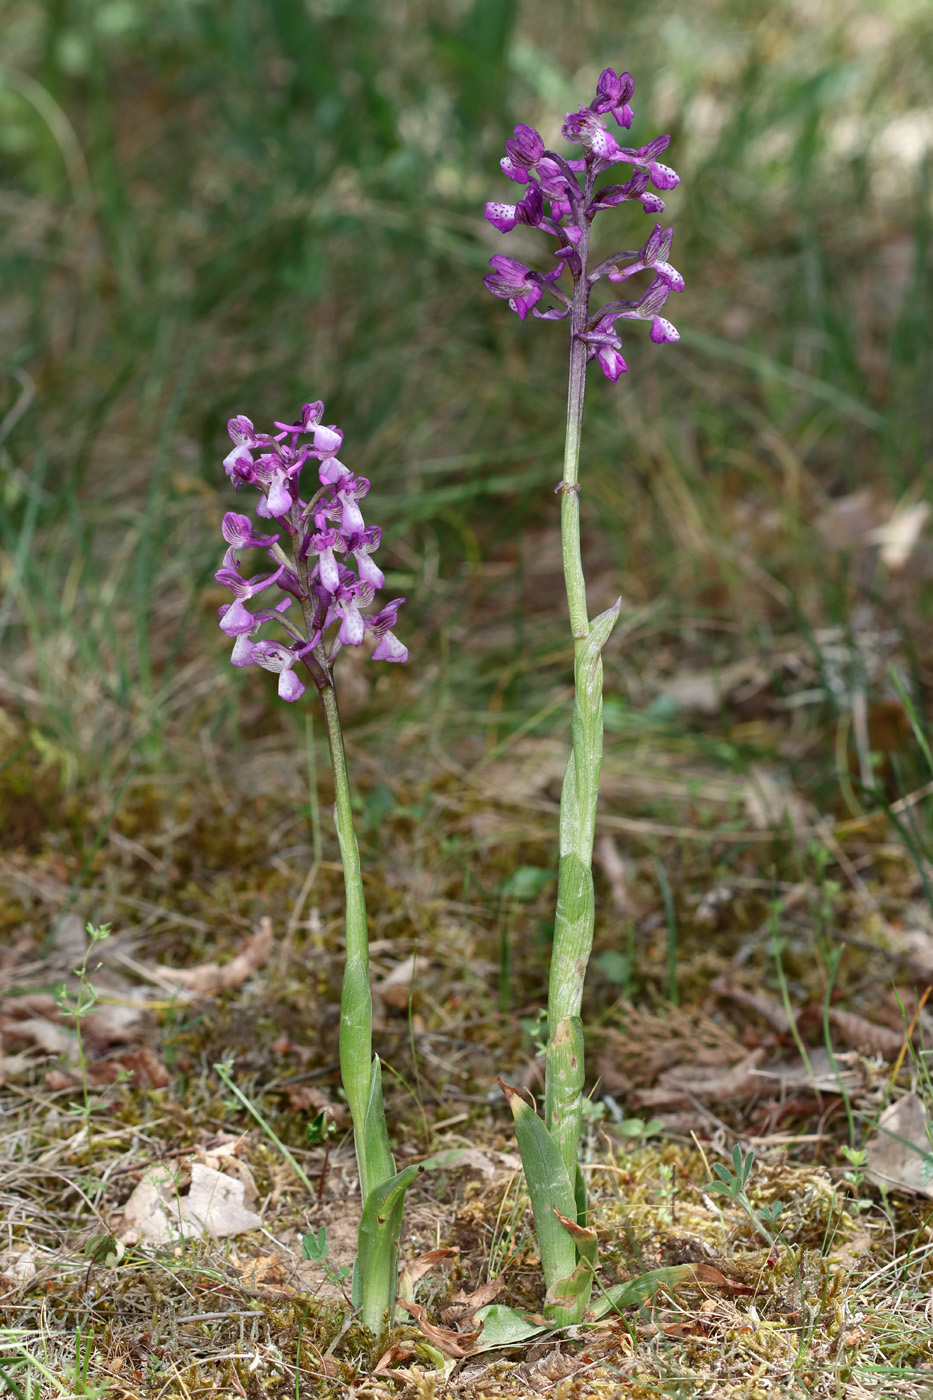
(209, 208)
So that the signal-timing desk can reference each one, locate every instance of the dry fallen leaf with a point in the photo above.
(900, 533)
(450, 1343)
(417, 1268)
(214, 1206)
(17, 1268)
(480, 1296)
(267, 1271)
(305, 1098)
(899, 1153)
(212, 977)
(396, 988)
(865, 1036)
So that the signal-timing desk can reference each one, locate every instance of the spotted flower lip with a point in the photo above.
(332, 574)
(529, 210)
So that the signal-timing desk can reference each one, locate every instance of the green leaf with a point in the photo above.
(589, 686)
(579, 1192)
(572, 1293)
(378, 1162)
(563, 1102)
(355, 1037)
(320, 1128)
(638, 1290)
(503, 1327)
(527, 882)
(315, 1247)
(104, 1249)
(549, 1189)
(375, 1272)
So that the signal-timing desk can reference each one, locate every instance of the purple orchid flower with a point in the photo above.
(519, 285)
(347, 601)
(653, 256)
(529, 210)
(613, 92)
(361, 546)
(274, 656)
(238, 531)
(389, 647)
(325, 542)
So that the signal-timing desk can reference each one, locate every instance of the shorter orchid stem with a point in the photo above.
(356, 1017)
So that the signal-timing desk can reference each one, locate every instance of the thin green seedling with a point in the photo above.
(777, 950)
(315, 1246)
(222, 1071)
(857, 1158)
(670, 919)
(733, 1184)
(80, 1004)
(831, 964)
(506, 1225)
(57, 1377)
(910, 709)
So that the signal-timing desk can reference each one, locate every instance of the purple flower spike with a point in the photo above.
(570, 185)
(331, 592)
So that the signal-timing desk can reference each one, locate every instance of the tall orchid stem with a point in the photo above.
(574, 922)
(570, 494)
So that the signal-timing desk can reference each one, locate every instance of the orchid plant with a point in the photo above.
(561, 199)
(321, 553)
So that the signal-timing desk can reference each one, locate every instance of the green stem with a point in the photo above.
(574, 922)
(362, 1085)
